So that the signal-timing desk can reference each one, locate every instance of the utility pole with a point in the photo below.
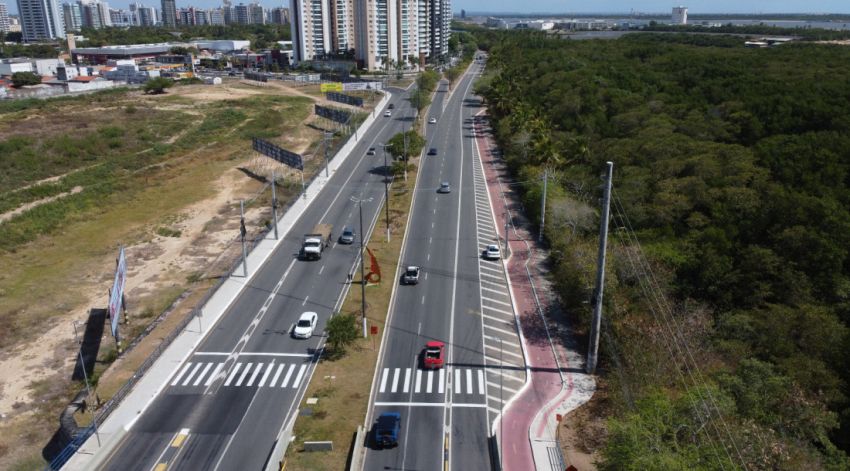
(593, 349)
(386, 188)
(242, 233)
(543, 204)
(274, 207)
(328, 136)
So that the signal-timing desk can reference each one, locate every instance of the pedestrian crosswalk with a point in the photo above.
(249, 374)
(418, 381)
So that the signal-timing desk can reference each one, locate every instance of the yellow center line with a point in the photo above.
(161, 467)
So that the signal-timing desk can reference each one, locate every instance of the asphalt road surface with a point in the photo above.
(444, 412)
(225, 405)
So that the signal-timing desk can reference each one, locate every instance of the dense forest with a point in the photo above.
(727, 300)
(261, 36)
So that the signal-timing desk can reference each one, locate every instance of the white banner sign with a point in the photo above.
(116, 296)
(347, 87)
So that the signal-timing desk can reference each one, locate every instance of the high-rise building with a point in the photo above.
(4, 18)
(202, 17)
(169, 13)
(72, 15)
(40, 20)
(311, 29)
(679, 16)
(279, 16)
(342, 25)
(134, 9)
(121, 17)
(216, 16)
(146, 16)
(242, 15)
(438, 36)
(257, 15)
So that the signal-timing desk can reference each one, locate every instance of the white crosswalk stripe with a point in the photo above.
(418, 381)
(196, 374)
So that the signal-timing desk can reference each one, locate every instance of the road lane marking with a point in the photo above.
(192, 374)
(469, 381)
(266, 374)
(384, 380)
(276, 375)
(180, 438)
(501, 284)
(321, 269)
(396, 376)
(244, 374)
(429, 404)
(254, 376)
(288, 374)
(406, 380)
(297, 380)
(203, 373)
(507, 322)
(502, 386)
(494, 301)
(500, 292)
(214, 374)
(259, 354)
(506, 352)
(305, 300)
(494, 309)
(428, 387)
(481, 382)
(423, 299)
(233, 374)
(457, 381)
(180, 375)
(491, 327)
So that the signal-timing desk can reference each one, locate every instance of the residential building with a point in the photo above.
(241, 14)
(134, 9)
(73, 16)
(120, 17)
(147, 16)
(169, 13)
(438, 37)
(202, 17)
(679, 16)
(43, 67)
(342, 25)
(279, 16)
(4, 18)
(257, 14)
(216, 16)
(40, 20)
(311, 29)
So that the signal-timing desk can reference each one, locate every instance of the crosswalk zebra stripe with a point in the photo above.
(396, 376)
(266, 374)
(288, 374)
(406, 380)
(215, 373)
(480, 382)
(457, 381)
(180, 375)
(469, 381)
(440, 387)
(203, 373)
(418, 381)
(384, 380)
(244, 374)
(254, 376)
(192, 373)
(428, 385)
(299, 376)
(276, 375)
(232, 374)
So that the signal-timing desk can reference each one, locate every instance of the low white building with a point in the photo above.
(9, 68)
(25, 64)
(222, 45)
(541, 25)
(130, 73)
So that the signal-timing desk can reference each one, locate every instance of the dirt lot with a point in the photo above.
(177, 219)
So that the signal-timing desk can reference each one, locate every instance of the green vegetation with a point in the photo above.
(811, 34)
(38, 51)
(733, 168)
(157, 85)
(21, 79)
(342, 331)
(261, 36)
(413, 145)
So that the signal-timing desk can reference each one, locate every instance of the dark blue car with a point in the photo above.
(386, 429)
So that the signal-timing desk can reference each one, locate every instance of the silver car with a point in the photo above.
(444, 188)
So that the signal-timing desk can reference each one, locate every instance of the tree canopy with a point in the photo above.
(20, 79)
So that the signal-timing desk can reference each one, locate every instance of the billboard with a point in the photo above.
(347, 87)
(343, 98)
(281, 155)
(339, 116)
(116, 295)
(331, 87)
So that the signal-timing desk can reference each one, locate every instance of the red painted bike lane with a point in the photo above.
(556, 383)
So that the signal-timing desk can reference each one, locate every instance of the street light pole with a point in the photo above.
(386, 188)
(274, 207)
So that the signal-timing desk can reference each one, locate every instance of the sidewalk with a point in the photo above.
(557, 382)
(96, 449)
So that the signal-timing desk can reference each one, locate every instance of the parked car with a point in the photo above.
(411, 276)
(388, 113)
(433, 355)
(432, 151)
(305, 325)
(347, 236)
(444, 188)
(386, 429)
(492, 252)
(371, 151)
(432, 120)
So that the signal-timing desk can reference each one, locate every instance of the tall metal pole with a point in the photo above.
(386, 189)
(362, 271)
(543, 204)
(327, 160)
(405, 148)
(593, 349)
(502, 407)
(242, 233)
(274, 206)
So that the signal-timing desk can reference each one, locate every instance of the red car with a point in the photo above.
(433, 355)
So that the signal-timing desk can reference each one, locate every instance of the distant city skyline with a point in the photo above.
(697, 7)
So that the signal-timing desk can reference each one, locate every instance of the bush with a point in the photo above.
(20, 79)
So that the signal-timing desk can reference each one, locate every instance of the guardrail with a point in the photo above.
(81, 435)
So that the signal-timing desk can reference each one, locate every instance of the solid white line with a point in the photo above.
(321, 269)
(256, 373)
(192, 374)
(406, 380)
(429, 404)
(469, 381)
(469, 404)
(498, 319)
(244, 374)
(457, 381)
(214, 374)
(260, 354)
(384, 380)
(502, 285)
(428, 387)
(305, 300)
(180, 375)
(297, 380)
(500, 278)
(233, 374)
(495, 309)
(266, 374)
(276, 375)
(494, 301)
(491, 269)
(505, 375)
(396, 377)
(481, 388)
(418, 381)
(288, 374)
(499, 292)
(203, 373)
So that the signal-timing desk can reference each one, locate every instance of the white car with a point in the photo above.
(492, 252)
(432, 121)
(388, 113)
(305, 325)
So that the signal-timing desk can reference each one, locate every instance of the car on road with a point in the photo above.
(492, 252)
(444, 188)
(432, 120)
(386, 430)
(411, 275)
(388, 113)
(305, 325)
(391, 106)
(371, 151)
(432, 151)
(347, 236)
(433, 355)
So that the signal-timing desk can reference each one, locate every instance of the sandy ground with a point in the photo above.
(26, 207)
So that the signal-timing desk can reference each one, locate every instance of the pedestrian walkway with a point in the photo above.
(557, 383)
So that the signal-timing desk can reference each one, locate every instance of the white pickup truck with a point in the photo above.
(314, 243)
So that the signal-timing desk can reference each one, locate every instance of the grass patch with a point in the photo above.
(167, 232)
(342, 385)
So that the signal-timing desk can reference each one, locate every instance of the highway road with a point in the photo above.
(225, 405)
(447, 414)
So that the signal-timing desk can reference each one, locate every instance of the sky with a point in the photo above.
(570, 6)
